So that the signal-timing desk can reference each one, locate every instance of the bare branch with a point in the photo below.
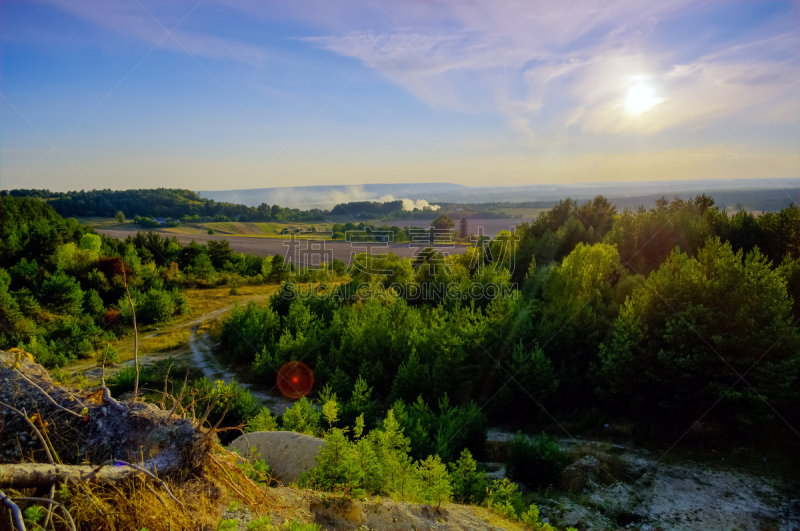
(39, 435)
(16, 514)
(111, 401)
(176, 404)
(52, 502)
(166, 379)
(135, 336)
(50, 398)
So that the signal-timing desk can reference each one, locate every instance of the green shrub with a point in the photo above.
(154, 306)
(445, 433)
(469, 485)
(263, 421)
(302, 417)
(151, 377)
(536, 462)
(62, 293)
(504, 499)
(252, 325)
(230, 404)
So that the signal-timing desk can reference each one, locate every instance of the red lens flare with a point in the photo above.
(295, 380)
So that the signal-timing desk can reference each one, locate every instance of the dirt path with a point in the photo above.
(198, 354)
(201, 357)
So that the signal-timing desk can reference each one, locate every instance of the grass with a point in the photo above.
(107, 223)
(169, 340)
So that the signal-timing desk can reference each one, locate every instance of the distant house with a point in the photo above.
(160, 221)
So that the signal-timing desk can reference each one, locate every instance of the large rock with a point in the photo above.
(582, 475)
(287, 453)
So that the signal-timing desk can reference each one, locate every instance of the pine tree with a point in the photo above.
(464, 229)
(435, 480)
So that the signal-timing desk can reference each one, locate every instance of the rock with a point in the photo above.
(576, 516)
(288, 454)
(125, 396)
(500, 473)
(582, 474)
(635, 467)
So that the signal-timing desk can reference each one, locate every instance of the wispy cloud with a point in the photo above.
(135, 21)
(569, 67)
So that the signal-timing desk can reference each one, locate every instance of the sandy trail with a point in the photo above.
(202, 357)
(198, 354)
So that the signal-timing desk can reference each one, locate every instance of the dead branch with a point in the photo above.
(103, 367)
(175, 405)
(135, 337)
(111, 401)
(59, 406)
(39, 435)
(51, 502)
(29, 475)
(16, 514)
(166, 379)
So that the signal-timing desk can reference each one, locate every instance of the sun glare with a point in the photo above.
(641, 98)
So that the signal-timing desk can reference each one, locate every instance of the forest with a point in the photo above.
(652, 319)
(183, 205)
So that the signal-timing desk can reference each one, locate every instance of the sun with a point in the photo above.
(641, 98)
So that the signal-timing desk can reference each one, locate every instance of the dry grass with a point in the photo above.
(169, 340)
(140, 503)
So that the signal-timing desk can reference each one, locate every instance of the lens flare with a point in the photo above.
(295, 380)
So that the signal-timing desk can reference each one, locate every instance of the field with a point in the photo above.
(228, 228)
(526, 214)
(265, 246)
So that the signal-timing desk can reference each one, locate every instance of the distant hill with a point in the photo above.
(753, 194)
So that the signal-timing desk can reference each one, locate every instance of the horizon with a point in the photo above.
(190, 95)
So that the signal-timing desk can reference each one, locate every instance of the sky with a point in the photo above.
(237, 94)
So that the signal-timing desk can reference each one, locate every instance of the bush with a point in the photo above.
(302, 417)
(263, 421)
(231, 404)
(253, 325)
(154, 306)
(151, 377)
(62, 293)
(446, 433)
(535, 462)
(92, 303)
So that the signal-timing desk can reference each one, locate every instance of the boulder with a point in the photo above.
(288, 454)
(582, 475)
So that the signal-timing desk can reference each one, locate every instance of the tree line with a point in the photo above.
(177, 204)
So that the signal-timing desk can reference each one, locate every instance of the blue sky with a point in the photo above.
(247, 94)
